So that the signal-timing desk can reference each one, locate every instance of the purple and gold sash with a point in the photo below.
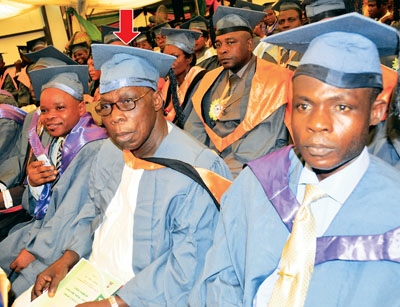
(13, 113)
(85, 131)
(272, 171)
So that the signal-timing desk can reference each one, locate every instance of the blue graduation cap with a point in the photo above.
(342, 51)
(181, 38)
(197, 23)
(230, 19)
(129, 66)
(72, 79)
(51, 55)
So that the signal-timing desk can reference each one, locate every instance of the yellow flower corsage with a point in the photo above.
(215, 109)
(395, 65)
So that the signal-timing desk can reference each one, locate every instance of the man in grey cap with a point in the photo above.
(153, 224)
(58, 164)
(238, 109)
(340, 247)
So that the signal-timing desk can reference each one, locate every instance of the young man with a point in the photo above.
(153, 225)
(350, 248)
(238, 108)
(63, 139)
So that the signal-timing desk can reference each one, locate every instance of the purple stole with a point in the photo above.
(272, 171)
(13, 113)
(85, 131)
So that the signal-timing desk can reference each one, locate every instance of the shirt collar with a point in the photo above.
(340, 185)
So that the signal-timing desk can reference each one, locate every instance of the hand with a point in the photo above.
(51, 277)
(18, 65)
(22, 261)
(39, 174)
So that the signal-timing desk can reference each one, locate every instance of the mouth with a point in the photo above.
(122, 137)
(318, 150)
(52, 126)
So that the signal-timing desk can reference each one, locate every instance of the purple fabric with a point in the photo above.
(275, 182)
(84, 132)
(272, 171)
(11, 112)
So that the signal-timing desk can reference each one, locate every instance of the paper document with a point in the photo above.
(84, 283)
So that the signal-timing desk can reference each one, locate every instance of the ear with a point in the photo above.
(158, 102)
(81, 108)
(378, 111)
(250, 44)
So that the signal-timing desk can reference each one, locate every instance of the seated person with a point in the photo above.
(156, 222)
(63, 140)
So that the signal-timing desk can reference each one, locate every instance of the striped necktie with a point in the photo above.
(298, 256)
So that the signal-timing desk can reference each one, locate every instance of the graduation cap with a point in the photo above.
(341, 51)
(268, 5)
(126, 66)
(157, 29)
(22, 49)
(107, 34)
(181, 38)
(230, 19)
(36, 44)
(249, 5)
(50, 56)
(71, 79)
(319, 9)
(78, 46)
(198, 23)
(284, 5)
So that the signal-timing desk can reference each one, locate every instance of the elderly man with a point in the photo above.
(153, 224)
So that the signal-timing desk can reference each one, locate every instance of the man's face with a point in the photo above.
(160, 40)
(288, 20)
(270, 17)
(234, 49)
(131, 130)
(145, 45)
(60, 112)
(374, 11)
(330, 125)
(199, 43)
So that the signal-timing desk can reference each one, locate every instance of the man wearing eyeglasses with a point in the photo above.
(152, 224)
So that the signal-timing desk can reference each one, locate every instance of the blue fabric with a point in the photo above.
(174, 220)
(250, 237)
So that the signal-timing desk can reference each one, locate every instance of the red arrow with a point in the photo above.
(126, 33)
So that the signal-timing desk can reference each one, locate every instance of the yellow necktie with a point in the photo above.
(298, 256)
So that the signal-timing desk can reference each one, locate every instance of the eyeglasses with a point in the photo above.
(127, 104)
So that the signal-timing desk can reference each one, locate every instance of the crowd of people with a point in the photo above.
(250, 157)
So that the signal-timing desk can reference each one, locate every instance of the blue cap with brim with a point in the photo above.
(231, 19)
(157, 29)
(71, 79)
(50, 52)
(285, 5)
(342, 51)
(198, 23)
(129, 66)
(319, 7)
(181, 38)
(107, 34)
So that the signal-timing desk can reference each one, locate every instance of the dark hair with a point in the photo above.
(188, 55)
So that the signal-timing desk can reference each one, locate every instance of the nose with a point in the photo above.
(116, 116)
(319, 120)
